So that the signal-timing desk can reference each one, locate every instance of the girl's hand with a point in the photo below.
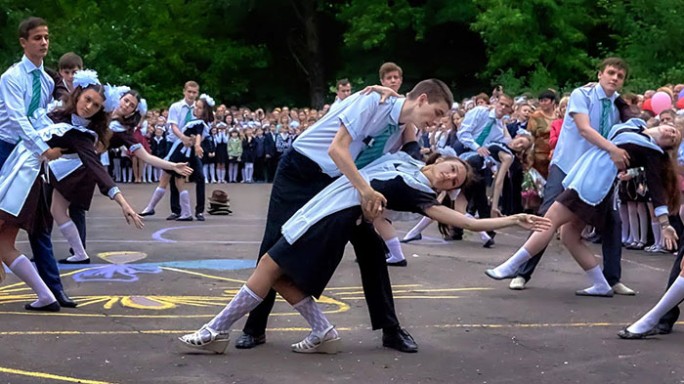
(496, 213)
(182, 169)
(199, 151)
(535, 223)
(669, 237)
(131, 216)
(384, 92)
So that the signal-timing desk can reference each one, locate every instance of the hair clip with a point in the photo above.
(208, 99)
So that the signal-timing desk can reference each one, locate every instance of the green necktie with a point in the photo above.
(35, 96)
(375, 148)
(485, 132)
(605, 117)
(188, 116)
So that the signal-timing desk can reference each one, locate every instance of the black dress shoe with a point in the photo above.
(489, 244)
(173, 216)
(248, 341)
(625, 334)
(414, 238)
(67, 261)
(52, 307)
(401, 263)
(199, 217)
(399, 339)
(64, 300)
(150, 213)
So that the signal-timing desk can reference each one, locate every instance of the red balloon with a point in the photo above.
(646, 106)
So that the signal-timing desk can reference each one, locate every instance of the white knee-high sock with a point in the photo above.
(313, 315)
(624, 217)
(418, 228)
(599, 283)
(250, 172)
(655, 226)
(394, 246)
(22, 268)
(673, 296)
(243, 303)
(212, 172)
(633, 222)
(154, 200)
(70, 233)
(186, 208)
(205, 169)
(510, 266)
(643, 222)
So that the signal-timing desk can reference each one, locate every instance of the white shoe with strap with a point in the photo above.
(327, 341)
(207, 339)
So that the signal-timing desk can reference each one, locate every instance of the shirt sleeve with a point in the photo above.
(357, 115)
(401, 197)
(578, 103)
(174, 116)
(465, 133)
(10, 90)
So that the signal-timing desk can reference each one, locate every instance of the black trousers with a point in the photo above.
(297, 180)
(511, 196)
(197, 177)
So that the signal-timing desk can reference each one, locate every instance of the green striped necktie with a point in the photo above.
(35, 96)
(605, 117)
(485, 132)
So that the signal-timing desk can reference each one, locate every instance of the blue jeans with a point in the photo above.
(41, 243)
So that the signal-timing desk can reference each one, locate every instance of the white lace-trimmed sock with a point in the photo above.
(510, 266)
(599, 283)
(243, 303)
(186, 207)
(70, 233)
(396, 254)
(671, 298)
(313, 315)
(156, 196)
(22, 268)
(419, 228)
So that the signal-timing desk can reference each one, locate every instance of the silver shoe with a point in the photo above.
(206, 339)
(323, 342)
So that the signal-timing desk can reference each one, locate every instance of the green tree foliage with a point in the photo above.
(279, 52)
(647, 33)
(535, 43)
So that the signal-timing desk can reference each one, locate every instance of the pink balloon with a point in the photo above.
(661, 101)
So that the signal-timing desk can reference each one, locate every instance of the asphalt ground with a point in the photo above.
(145, 288)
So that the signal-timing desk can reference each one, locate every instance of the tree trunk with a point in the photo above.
(308, 52)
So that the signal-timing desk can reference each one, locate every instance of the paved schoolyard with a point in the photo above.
(147, 287)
